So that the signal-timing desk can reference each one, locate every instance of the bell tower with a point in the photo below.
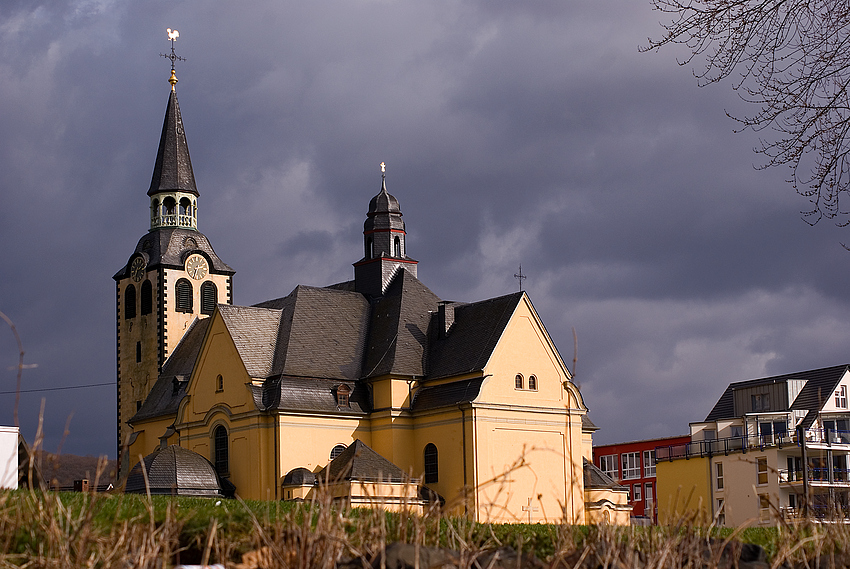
(172, 277)
(384, 247)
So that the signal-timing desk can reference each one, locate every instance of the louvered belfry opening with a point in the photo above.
(209, 297)
(184, 296)
(130, 302)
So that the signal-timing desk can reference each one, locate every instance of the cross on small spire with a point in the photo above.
(172, 36)
(383, 170)
(519, 276)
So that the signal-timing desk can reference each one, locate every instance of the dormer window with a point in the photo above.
(342, 393)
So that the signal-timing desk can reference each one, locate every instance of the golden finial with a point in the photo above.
(172, 37)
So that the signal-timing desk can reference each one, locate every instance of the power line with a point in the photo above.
(56, 388)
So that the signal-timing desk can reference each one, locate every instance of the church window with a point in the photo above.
(138, 352)
(431, 464)
(518, 382)
(219, 383)
(337, 450)
(532, 383)
(397, 247)
(147, 297)
(221, 455)
(184, 296)
(209, 297)
(130, 302)
(370, 246)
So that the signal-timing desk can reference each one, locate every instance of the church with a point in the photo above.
(470, 401)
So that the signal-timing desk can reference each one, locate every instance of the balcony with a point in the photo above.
(815, 439)
(174, 220)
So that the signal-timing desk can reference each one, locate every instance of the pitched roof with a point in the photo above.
(447, 394)
(398, 335)
(173, 168)
(472, 338)
(170, 387)
(359, 462)
(175, 471)
(254, 332)
(820, 383)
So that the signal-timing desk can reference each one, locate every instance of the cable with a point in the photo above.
(56, 388)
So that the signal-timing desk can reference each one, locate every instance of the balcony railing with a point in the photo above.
(750, 442)
(174, 220)
(816, 474)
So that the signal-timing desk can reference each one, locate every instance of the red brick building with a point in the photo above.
(632, 464)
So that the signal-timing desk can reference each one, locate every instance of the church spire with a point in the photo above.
(172, 191)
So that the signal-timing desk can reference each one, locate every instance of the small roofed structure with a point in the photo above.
(605, 501)
(361, 477)
(298, 483)
(176, 471)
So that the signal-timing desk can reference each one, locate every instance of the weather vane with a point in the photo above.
(519, 276)
(172, 36)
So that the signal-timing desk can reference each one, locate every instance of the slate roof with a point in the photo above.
(310, 394)
(299, 477)
(447, 394)
(359, 462)
(473, 336)
(169, 247)
(398, 336)
(175, 471)
(164, 399)
(820, 383)
(254, 332)
(173, 168)
(595, 479)
(587, 424)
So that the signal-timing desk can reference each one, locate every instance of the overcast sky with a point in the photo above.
(513, 132)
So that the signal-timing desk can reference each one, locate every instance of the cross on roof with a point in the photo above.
(172, 37)
(519, 276)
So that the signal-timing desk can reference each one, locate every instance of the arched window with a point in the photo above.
(184, 296)
(370, 245)
(431, 464)
(209, 297)
(397, 247)
(185, 207)
(154, 209)
(219, 383)
(130, 302)
(147, 297)
(518, 382)
(337, 450)
(532, 383)
(168, 205)
(220, 451)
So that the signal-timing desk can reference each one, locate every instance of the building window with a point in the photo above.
(532, 383)
(337, 450)
(147, 297)
(219, 383)
(648, 463)
(221, 451)
(760, 402)
(737, 431)
(397, 247)
(764, 507)
(709, 434)
(431, 464)
(518, 382)
(138, 352)
(841, 397)
(209, 297)
(720, 512)
(718, 475)
(636, 494)
(184, 296)
(370, 245)
(761, 466)
(631, 465)
(648, 495)
(608, 465)
(342, 393)
(130, 302)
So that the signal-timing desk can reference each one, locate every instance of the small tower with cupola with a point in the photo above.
(384, 247)
(173, 277)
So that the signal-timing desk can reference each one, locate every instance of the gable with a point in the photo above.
(525, 349)
(836, 400)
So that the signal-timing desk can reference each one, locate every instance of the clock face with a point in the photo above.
(137, 269)
(197, 267)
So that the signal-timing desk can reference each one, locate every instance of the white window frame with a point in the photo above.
(720, 512)
(606, 462)
(718, 475)
(637, 494)
(630, 462)
(649, 463)
(762, 471)
(841, 397)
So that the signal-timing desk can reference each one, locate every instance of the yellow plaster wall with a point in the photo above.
(741, 489)
(445, 429)
(609, 507)
(307, 441)
(682, 487)
(148, 439)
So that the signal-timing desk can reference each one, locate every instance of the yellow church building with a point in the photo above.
(470, 401)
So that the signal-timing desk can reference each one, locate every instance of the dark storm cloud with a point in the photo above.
(530, 133)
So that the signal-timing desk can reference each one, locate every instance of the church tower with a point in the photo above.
(172, 277)
(384, 246)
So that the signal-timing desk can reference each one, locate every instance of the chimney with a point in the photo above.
(445, 318)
